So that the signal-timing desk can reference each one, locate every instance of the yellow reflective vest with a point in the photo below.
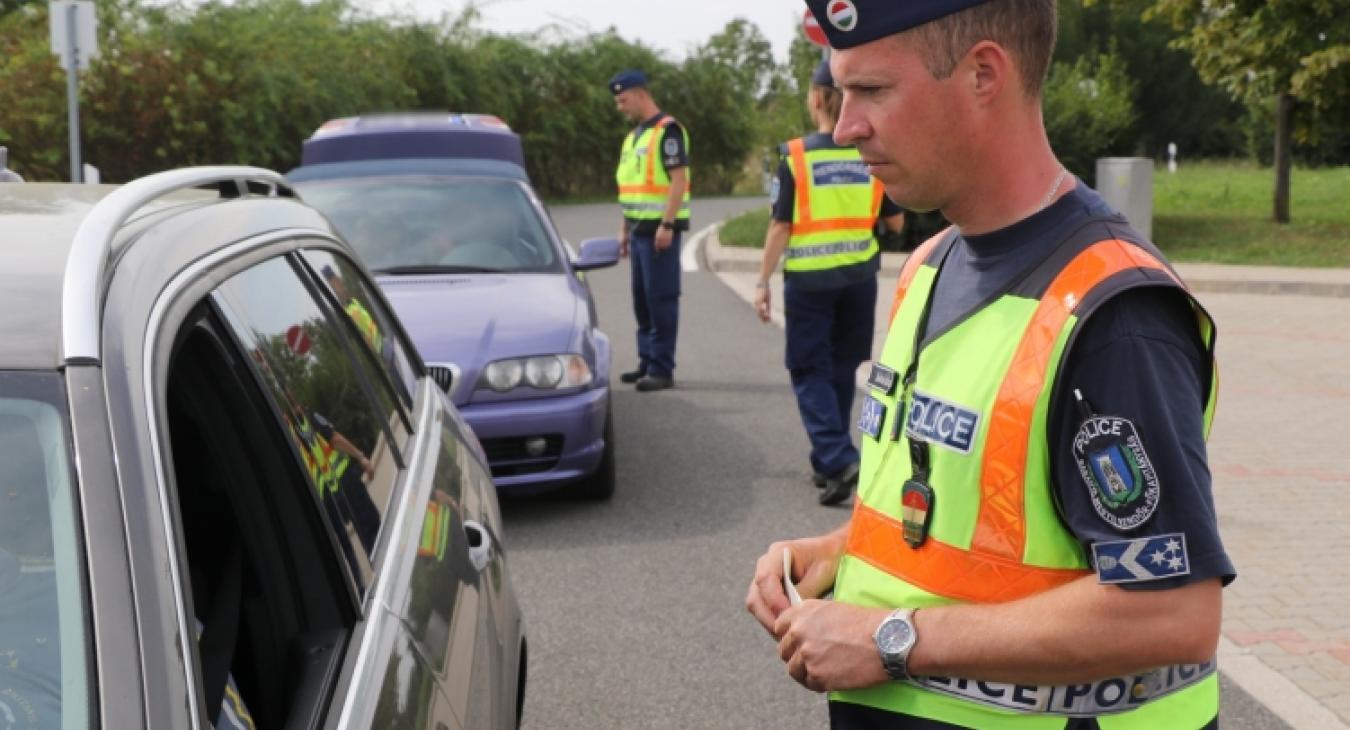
(644, 184)
(836, 208)
(994, 533)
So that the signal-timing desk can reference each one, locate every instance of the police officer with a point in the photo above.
(825, 207)
(653, 179)
(1034, 542)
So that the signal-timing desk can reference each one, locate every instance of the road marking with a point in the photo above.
(689, 254)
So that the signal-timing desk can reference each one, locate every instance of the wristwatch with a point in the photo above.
(895, 639)
(668, 225)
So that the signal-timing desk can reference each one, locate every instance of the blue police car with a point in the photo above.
(441, 209)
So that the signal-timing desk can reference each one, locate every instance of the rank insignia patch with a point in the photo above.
(1141, 559)
(1120, 479)
(882, 378)
(873, 413)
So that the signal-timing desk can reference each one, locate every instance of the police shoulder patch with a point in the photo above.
(671, 147)
(1120, 479)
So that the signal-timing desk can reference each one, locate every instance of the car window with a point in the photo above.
(43, 636)
(422, 222)
(370, 319)
(326, 402)
(272, 605)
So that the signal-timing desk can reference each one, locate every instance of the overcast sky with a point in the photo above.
(674, 26)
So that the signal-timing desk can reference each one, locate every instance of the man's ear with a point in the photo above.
(989, 70)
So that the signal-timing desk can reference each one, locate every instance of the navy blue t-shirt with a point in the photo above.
(674, 154)
(783, 201)
(1138, 358)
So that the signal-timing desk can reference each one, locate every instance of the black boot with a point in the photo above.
(632, 376)
(840, 487)
(649, 383)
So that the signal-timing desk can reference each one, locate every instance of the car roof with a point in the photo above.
(39, 221)
(51, 301)
(423, 166)
(435, 135)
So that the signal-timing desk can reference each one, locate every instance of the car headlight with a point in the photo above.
(503, 375)
(544, 372)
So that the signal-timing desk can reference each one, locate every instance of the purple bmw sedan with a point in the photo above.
(440, 208)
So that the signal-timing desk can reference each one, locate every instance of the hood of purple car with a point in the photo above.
(472, 319)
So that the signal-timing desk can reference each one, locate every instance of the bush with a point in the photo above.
(1087, 108)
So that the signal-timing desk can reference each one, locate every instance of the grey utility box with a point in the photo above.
(1126, 183)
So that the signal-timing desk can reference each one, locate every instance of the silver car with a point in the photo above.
(231, 496)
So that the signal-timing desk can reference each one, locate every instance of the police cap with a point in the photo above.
(849, 23)
(625, 80)
(822, 76)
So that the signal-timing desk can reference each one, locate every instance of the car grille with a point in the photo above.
(507, 456)
(443, 375)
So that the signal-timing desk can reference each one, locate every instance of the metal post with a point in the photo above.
(73, 95)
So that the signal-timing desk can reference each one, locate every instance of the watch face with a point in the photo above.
(894, 635)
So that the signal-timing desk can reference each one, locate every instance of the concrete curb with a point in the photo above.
(1209, 278)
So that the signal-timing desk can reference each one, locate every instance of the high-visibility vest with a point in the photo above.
(366, 325)
(994, 533)
(435, 531)
(324, 463)
(837, 203)
(644, 184)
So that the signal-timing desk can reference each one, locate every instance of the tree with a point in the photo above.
(1171, 102)
(1294, 51)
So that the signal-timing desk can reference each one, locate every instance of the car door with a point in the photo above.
(454, 607)
(288, 461)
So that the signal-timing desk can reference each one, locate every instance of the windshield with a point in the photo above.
(436, 224)
(43, 681)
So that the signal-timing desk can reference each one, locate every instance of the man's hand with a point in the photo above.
(664, 236)
(623, 242)
(762, 302)
(828, 645)
(814, 562)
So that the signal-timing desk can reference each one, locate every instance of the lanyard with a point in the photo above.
(918, 448)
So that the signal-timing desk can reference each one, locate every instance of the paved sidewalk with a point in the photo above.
(1281, 464)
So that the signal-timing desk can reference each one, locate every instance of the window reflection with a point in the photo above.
(42, 604)
(304, 364)
(371, 320)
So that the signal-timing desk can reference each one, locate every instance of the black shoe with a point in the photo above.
(818, 479)
(649, 383)
(632, 376)
(839, 488)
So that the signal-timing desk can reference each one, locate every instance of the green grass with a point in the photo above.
(747, 229)
(1215, 212)
(1221, 213)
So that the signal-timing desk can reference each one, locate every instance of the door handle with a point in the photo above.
(480, 544)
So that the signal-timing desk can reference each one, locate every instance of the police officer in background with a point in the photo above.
(1034, 543)
(825, 208)
(653, 178)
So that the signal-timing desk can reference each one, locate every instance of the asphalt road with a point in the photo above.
(634, 607)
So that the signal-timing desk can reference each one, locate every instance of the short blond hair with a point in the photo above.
(1026, 28)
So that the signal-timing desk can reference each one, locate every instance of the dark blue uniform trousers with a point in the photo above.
(656, 302)
(829, 334)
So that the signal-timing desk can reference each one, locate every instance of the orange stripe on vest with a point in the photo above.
(1001, 527)
(943, 570)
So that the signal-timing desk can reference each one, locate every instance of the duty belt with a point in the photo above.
(1103, 697)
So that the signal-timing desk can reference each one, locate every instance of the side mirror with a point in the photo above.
(597, 253)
